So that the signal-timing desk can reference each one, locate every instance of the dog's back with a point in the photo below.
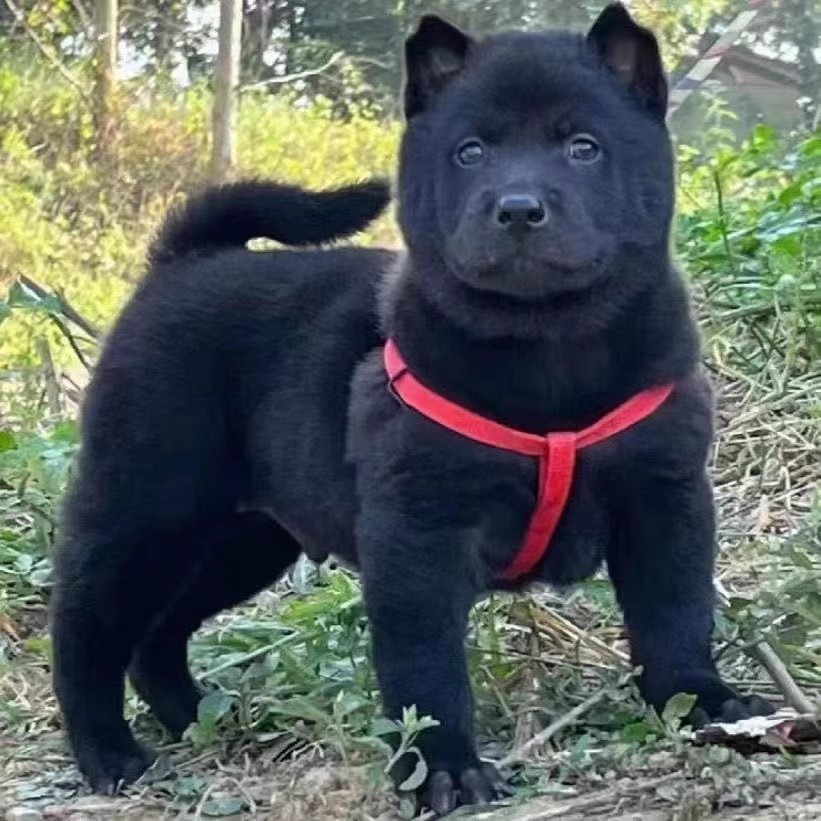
(190, 359)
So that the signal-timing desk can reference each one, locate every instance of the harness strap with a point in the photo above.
(556, 451)
(556, 466)
(452, 416)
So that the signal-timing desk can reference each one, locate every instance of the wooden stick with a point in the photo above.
(764, 653)
(66, 308)
(520, 753)
(782, 678)
(50, 377)
(71, 341)
(297, 75)
(20, 18)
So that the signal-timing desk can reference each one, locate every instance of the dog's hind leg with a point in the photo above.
(110, 598)
(246, 555)
(108, 590)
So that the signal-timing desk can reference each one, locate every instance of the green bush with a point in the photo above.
(83, 229)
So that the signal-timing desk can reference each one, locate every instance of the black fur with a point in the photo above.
(239, 413)
(236, 212)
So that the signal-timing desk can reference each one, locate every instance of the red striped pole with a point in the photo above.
(706, 64)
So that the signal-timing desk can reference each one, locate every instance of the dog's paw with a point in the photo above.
(715, 701)
(443, 791)
(731, 710)
(108, 769)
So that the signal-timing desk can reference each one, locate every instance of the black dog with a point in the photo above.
(240, 412)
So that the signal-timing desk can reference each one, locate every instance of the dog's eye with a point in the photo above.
(583, 149)
(470, 152)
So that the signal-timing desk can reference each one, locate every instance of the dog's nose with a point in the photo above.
(520, 210)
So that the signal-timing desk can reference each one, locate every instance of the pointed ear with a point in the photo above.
(434, 54)
(631, 51)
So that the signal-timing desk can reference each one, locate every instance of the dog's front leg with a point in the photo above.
(661, 563)
(419, 586)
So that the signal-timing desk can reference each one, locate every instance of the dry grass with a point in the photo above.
(766, 471)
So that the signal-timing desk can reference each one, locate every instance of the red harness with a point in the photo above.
(556, 452)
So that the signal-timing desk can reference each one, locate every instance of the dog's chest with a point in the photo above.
(416, 465)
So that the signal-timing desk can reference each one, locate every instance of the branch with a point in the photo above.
(82, 13)
(71, 341)
(778, 671)
(781, 676)
(520, 753)
(50, 376)
(66, 308)
(297, 75)
(20, 18)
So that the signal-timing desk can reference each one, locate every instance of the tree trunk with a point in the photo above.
(258, 23)
(105, 59)
(225, 90)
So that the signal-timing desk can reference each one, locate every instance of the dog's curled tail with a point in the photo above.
(229, 215)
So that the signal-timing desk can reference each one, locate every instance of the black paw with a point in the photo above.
(108, 769)
(443, 791)
(731, 710)
(715, 701)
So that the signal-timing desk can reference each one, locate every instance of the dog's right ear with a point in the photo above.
(434, 54)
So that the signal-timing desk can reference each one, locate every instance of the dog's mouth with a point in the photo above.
(533, 276)
(534, 265)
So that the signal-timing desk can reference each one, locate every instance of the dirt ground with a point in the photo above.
(312, 788)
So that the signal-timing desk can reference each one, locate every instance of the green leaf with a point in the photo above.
(222, 807)
(764, 137)
(384, 726)
(637, 733)
(800, 559)
(8, 441)
(188, 787)
(677, 708)
(812, 147)
(20, 297)
(791, 193)
(788, 246)
(24, 563)
(213, 707)
(300, 707)
(66, 431)
(407, 808)
(419, 774)
(40, 577)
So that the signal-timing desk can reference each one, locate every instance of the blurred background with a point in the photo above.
(112, 111)
(107, 112)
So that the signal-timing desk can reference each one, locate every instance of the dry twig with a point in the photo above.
(520, 754)
(20, 18)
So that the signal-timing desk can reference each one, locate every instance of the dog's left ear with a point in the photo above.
(434, 55)
(631, 51)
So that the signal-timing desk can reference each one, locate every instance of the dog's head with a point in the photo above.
(532, 163)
